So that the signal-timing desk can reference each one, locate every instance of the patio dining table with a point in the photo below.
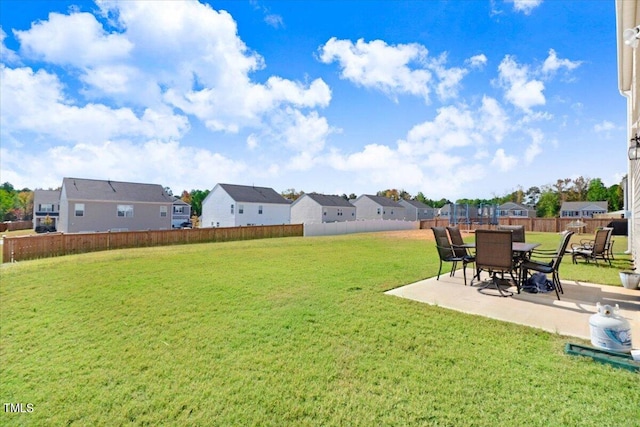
(521, 250)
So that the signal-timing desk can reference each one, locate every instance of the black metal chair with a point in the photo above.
(446, 252)
(459, 248)
(598, 248)
(551, 267)
(518, 231)
(494, 253)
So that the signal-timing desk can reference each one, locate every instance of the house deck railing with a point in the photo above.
(22, 248)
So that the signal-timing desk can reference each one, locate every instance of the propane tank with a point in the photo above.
(609, 330)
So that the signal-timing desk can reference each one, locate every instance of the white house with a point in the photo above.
(627, 23)
(229, 205)
(378, 207)
(313, 208)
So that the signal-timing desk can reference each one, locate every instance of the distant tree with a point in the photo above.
(392, 194)
(352, 196)
(25, 204)
(578, 190)
(168, 191)
(561, 187)
(532, 195)
(197, 197)
(615, 197)
(291, 194)
(7, 187)
(7, 202)
(549, 204)
(597, 191)
(185, 197)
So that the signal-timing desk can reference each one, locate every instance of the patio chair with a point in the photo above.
(595, 249)
(494, 254)
(446, 252)
(547, 267)
(518, 231)
(459, 249)
(518, 236)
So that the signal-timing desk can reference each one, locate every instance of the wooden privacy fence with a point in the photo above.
(57, 244)
(548, 225)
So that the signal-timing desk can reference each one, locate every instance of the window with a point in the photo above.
(46, 207)
(259, 209)
(179, 209)
(339, 212)
(163, 211)
(378, 211)
(79, 209)
(232, 209)
(125, 211)
(240, 209)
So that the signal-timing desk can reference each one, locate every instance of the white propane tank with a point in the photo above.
(609, 330)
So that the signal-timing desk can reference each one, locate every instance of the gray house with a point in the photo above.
(416, 210)
(95, 205)
(378, 207)
(180, 214)
(314, 208)
(515, 210)
(229, 205)
(46, 209)
(583, 209)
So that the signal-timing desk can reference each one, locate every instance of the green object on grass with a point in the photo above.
(613, 358)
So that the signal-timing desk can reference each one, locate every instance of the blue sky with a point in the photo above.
(456, 99)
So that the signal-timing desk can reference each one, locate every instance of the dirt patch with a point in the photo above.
(425, 234)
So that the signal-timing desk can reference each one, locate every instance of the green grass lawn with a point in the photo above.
(293, 331)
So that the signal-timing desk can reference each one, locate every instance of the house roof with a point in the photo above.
(383, 201)
(252, 194)
(512, 205)
(416, 204)
(99, 190)
(580, 206)
(329, 200)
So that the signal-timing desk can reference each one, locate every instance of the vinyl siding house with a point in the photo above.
(229, 205)
(515, 210)
(582, 209)
(180, 213)
(313, 208)
(378, 207)
(415, 210)
(456, 213)
(46, 207)
(628, 18)
(88, 205)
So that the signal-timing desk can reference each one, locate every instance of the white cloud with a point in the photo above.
(534, 149)
(604, 126)
(520, 89)
(391, 69)
(7, 55)
(35, 102)
(525, 6)
(126, 161)
(502, 161)
(552, 64)
(477, 61)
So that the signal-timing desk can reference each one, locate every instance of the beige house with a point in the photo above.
(627, 33)
(89, 205)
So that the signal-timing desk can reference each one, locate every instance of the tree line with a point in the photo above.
(17, 204)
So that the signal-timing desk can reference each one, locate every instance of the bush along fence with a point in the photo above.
(24, 248)
(545, 225)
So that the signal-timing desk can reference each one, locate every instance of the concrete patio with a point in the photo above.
(569, 316)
